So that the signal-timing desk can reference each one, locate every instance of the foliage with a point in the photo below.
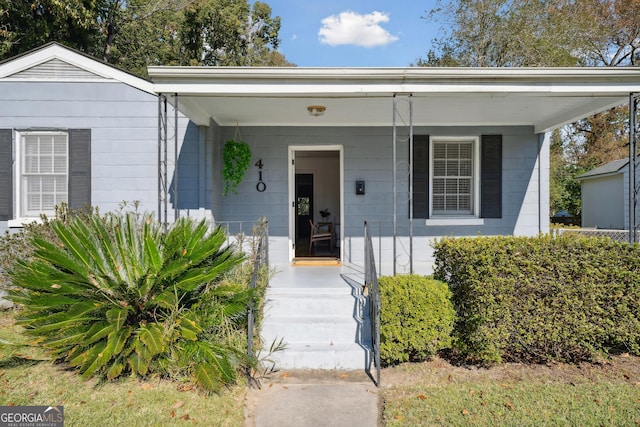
(117, 294)
(236, 157)
(536, 299)
(503, 33)
(136, 33)
(565, 189)
(27, 24)
(17, 246)
(416, 318)
(229, 32)
(28, 378)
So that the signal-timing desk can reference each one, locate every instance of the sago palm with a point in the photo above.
(120, 295)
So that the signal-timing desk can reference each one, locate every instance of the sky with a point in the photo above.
(354, 33)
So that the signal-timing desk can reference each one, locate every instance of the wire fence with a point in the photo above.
(616, 235)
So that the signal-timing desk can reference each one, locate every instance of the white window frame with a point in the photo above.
(22, 215)
(452, 219)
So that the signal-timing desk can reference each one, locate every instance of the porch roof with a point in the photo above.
(544, 98)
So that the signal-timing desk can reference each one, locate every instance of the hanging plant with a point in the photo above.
(236, 157)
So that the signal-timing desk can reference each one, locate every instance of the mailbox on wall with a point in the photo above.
(359, 187)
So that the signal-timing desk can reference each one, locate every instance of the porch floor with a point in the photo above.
(309, 276)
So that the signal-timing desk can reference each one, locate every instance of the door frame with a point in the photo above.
(292, 192)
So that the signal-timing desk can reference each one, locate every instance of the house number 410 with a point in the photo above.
(260, 186)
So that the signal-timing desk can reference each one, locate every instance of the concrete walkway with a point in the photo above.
(313, 398)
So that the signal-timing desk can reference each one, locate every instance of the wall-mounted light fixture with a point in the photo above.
(316, 110)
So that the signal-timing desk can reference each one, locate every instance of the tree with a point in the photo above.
(142, 34)
(133, 34)
(229, 32)
(27, 24)
(499, 33)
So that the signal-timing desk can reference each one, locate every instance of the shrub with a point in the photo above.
(17, 245)
(116, 295)
(416, 318)
(535, 299)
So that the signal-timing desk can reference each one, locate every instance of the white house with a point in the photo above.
(605, 196)
(418, 153)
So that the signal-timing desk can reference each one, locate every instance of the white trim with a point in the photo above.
(475, 173)
(515, 74)
(19, 166)
(463, 220)
(56, 51)
(292, 191)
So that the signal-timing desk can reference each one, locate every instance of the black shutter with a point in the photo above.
(421, 176)
(491, 176)
(6, 175)
(79, 168)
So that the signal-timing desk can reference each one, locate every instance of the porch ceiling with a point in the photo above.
(545, 98)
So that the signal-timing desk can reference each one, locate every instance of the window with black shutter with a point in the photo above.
(43, 169)
(457, 177)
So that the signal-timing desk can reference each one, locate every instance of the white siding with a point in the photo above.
(367, 156)
(603, 202)
(124, 139)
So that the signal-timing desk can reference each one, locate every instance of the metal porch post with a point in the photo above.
(395, 167)
(176, 209)
(396, 139)
(633, 160)
(162, 160)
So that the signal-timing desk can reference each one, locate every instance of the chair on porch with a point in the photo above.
(317, 235)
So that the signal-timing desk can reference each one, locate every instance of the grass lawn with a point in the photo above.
(439, 394)
(30, 380)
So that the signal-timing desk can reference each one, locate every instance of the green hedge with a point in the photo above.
(542, 298)
(416, 318)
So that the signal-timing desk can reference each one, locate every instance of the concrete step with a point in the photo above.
(311, 304)
(312, 355)
(337, 329)
(322, 328)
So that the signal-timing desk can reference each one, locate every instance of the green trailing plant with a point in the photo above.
(236, 157)
(118, 295)
(416, 320)
(536, 299)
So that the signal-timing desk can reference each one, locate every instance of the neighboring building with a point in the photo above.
(605, 196)
(321, 138)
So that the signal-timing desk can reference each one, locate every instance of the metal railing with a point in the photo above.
(258, 247)
(373, 296)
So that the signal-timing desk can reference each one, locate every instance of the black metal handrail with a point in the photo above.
(259, 251)
(373, 297)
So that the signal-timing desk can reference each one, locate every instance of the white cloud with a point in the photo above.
(352, 28)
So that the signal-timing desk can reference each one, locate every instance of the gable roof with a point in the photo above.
(612, 168)
(544, 98)
(54, 62)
